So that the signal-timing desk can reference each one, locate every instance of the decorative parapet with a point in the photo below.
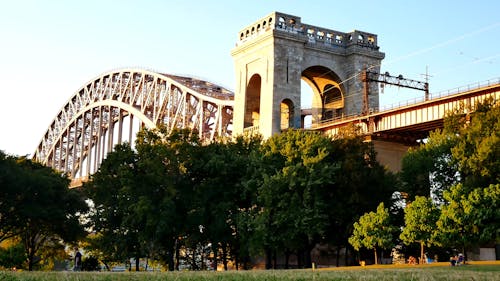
(290, 24)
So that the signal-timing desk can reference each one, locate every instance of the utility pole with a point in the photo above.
(386, 78)
(426, 77)
(366, 92)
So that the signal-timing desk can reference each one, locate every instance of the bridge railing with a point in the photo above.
(319, 123)
(434, 96)
(441, 94)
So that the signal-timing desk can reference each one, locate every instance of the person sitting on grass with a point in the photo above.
(453, 260)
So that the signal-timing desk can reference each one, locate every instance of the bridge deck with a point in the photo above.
(414, 121)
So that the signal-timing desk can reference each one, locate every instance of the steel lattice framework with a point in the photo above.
(111, 108)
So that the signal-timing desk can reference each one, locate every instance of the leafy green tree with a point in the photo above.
(469, 218)
(430, 169)
(217, 174)
(373, 230)
(466, 150)
(420, 221)
(10, 187)
(478, 148)
(361, 184)
(47, 211)
(463, 160)
(110, 190)
(142, 198)
(296, 173)
(167, 189)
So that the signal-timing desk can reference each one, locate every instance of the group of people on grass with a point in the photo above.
(454, 260)
(457, 260)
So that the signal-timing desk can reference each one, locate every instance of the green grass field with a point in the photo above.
(469, 272)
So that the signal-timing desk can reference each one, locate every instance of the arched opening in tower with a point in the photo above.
(252, 102)
(286, 114)
(326, 94)
(332, 102)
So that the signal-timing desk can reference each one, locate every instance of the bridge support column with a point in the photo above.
(390, 154)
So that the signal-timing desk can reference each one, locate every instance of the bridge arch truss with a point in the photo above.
(111, 108)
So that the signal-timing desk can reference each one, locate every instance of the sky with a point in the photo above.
(49, 49)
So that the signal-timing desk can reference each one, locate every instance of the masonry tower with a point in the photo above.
(273, 54)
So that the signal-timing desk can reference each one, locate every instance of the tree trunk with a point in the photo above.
(300, 258)
(464, 252)
(215, 250)
(106, 265)
(137, 260)
(338, 255)
(375, 251)
(177, 256)
(275, 262)
(307, 257)
(268, 258)
(347, 255)
(287, 259)
(422, 252)
(224, 257)
(30, 262)
(170, 260)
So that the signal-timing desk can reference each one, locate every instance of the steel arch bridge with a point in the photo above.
(112, 107)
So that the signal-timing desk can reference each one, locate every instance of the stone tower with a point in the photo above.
(273, 54)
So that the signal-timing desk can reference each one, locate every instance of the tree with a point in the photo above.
(465, 151)
(296, 170)
(47, 212)
(478, 148)
(430, 169)
(142, 198)
(420, 220)
(469, 218)
(10, 175)
(219, 197)
(463, 159)
(373, 230)
(167, 189)
(361, 184)
(110, 190)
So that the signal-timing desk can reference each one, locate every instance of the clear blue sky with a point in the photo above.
(49, 49)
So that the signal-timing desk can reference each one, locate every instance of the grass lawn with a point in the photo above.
(385, 272)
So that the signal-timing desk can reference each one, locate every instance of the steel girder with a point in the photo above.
(111, 108)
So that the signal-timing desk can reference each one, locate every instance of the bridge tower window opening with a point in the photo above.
(332, 102)
(252, 102)
(325, 93)
(286, 113)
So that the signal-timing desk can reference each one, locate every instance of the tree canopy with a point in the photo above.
(38, 207)
(420, 220)
(373, 230)
(459, 166)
